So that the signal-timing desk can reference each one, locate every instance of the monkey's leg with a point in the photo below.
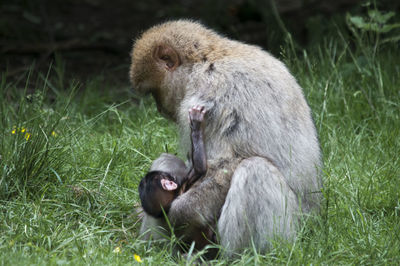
(259, 206)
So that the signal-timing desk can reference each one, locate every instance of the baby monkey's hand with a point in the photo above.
(196, 116)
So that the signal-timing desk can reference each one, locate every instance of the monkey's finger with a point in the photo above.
(198, 107)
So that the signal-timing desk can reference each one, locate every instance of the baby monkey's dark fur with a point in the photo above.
(169, 177)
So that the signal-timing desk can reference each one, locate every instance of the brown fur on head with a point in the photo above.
(163, 50)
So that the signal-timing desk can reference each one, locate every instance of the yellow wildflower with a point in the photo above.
(23, 130)
(137, 258)
(117, 250)
(54, 134)
(13, 131)
(27, 135)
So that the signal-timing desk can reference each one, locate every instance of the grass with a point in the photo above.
(68, 197)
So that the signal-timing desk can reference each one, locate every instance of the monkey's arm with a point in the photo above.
(201, 205)
(199, 159)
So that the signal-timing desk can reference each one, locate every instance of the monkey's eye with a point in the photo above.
(165, 57)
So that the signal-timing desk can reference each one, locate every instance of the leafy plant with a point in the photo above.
(376, 22)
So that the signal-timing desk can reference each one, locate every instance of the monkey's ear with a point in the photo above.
(167, 57)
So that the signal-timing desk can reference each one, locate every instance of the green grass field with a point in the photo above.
(72, 155)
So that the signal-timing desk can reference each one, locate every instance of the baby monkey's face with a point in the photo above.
(168, 185)
(157, 191)
(165, 192)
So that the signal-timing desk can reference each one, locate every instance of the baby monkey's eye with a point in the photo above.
(165, 57)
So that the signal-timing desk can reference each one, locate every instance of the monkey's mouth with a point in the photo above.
(177, 180)
(138, 89)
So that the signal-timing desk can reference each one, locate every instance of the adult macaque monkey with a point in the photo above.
(262, 148)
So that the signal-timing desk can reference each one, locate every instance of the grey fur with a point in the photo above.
(259, 132)
(171, 164)
(279, 202)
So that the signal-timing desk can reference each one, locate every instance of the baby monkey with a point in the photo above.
(169, 177)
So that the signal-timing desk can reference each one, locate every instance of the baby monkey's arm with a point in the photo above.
(199, 160)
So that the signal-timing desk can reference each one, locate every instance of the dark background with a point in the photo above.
(93, 37)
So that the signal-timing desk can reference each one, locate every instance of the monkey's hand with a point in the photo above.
(196, 116)
(199, 159)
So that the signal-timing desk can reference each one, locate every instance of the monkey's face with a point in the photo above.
(144, 74)
(162, 60)
(153, 70)
(157, 190)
